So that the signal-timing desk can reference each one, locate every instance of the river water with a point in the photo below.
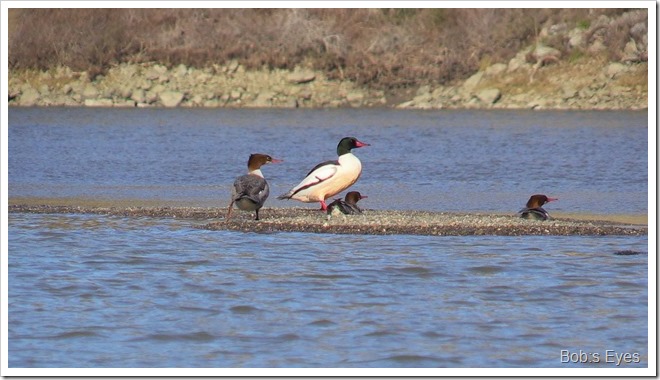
(104, 291)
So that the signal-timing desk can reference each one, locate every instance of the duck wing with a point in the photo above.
(252, 187)
(354, 209)
(335, 204)
(322, 164)
(320, 173)
(535, 213)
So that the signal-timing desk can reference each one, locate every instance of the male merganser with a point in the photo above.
(348, 205)
(534, 210)
(251, 190)
(331, 177)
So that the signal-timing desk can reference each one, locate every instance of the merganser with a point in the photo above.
(534, 210)
(348, 205)
(330, 177)
(251, 190)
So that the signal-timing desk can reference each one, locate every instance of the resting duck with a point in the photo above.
(330, 177)
(251, 190)
(348, 205)
(534, 210)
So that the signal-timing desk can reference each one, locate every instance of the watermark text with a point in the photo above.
(609, 356)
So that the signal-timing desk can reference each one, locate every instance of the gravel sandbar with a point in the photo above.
(371, 222)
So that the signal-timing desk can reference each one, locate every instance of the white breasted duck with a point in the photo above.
(330, 177)
(348, 205)
(251, 190)
(533, 208)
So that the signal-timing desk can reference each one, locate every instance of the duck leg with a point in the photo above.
(229, 209)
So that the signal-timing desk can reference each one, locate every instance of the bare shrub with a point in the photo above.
(378, 47)
(82, 39)
(618, 34)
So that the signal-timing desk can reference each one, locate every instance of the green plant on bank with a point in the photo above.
(583, 24)
(575, 55)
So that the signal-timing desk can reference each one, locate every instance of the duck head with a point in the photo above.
(348, 143)
(352, 197)
(257, 160)
(538, 200)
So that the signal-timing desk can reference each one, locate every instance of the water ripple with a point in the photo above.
(198, 298)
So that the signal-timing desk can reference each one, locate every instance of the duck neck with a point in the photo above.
(342, 150)
(256, 172)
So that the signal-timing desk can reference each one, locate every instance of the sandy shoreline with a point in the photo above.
(372, 222)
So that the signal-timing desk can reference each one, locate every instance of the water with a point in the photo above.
(104, 291)
(112, 292)
(440, 160)
(87, 291)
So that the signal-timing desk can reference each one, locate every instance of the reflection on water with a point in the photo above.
(96, 291)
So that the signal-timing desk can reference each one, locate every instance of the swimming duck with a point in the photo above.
(330, 177)
(348, 205)
(534, 210)
(251, 190)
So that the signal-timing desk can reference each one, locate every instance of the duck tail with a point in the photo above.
(286, 196)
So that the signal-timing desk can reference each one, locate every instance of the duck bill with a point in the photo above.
(276, 161)
(360, 144)
(552, 199)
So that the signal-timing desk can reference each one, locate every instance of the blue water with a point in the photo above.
(593, 162)
(105, 291)
(89, 291)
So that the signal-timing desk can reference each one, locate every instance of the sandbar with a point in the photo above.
(371, 222)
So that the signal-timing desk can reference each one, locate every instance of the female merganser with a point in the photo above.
(331, 177)
(534, 209)
(348, 205)
(251, 190)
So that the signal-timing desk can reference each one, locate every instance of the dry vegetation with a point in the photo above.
(384, 48)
